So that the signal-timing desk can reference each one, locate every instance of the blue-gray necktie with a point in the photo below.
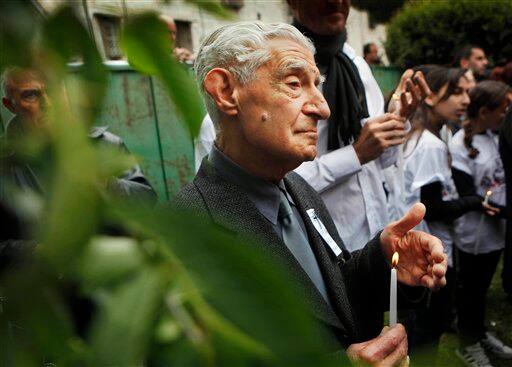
(298, 244)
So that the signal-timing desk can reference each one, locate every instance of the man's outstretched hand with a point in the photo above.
(422, 260)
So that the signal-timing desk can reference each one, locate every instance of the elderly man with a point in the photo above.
(260, 84)
(358, 140)
(25, 96)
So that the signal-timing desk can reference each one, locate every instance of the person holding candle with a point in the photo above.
(261, 86)
(478, 169)
(428, 179)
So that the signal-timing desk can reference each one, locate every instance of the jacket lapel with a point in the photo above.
(231, 209)
(329, 264)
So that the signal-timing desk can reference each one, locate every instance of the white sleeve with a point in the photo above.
(460, 157)
(330, 168)
(430, 165)
(204, 141)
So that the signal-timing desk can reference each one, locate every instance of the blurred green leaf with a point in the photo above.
(39, 323)
(236, 279)
(66, 40)
(213, 7)
(109, 259)
(19, 27)
(146, 42)
(122, 330)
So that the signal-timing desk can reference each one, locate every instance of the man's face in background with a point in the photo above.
(372, 57)
(477, 61)
(326, 17)
(27, 99)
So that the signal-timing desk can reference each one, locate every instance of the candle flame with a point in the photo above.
(394, 260)
(488, 193)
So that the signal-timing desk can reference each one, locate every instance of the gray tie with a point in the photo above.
(297, 243)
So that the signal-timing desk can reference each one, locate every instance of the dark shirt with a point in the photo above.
(264, 194)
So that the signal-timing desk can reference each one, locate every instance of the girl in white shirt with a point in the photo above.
(427, 176)
(478, 169)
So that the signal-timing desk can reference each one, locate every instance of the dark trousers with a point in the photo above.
(506, 274)
(474, 278)
(434, 317)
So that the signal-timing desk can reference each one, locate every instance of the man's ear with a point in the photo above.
(464, 63)
(8, 104)
(220, 85)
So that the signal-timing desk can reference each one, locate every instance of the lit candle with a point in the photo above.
(487, 196)
(392, 292)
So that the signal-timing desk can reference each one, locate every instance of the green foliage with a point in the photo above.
(172, 290)
(431, 31)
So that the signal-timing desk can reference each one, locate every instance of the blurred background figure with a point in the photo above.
(478, 170)
(183, 54)
(371, 54)
(504, 74)
(26, 98)
(472, 57)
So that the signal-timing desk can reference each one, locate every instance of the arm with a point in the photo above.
(133, 183)
(330, 169)
(446, 211)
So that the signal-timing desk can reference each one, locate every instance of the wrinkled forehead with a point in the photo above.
(288, 55)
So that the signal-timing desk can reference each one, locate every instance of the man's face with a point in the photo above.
(280, 108)
(478, 61)
(327, 17)
(373, 55)
(28, 100)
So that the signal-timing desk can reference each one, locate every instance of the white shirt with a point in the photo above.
(479, 233)
(353, 193)
(425, 162)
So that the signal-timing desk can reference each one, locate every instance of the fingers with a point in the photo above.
(407, 75)
(432, 246)
(419, 79)
(410, 220)
(489, 209)
(388, 349)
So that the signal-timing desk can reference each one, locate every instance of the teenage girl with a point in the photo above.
(478, 169)
(428, 178)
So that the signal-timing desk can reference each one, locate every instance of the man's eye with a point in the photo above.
(294, 84)
(32, 95)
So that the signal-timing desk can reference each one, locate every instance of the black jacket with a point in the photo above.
(358, 286)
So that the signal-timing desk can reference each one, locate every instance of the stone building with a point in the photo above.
(104, 19)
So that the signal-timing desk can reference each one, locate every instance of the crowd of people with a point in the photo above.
(301, 151)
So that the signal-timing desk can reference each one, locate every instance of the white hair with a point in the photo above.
(241, 48)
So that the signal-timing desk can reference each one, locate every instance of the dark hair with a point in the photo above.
(489, 94)
(366, 48)
(425, 68)
(463, 53)
(436, 77)
(503, 73)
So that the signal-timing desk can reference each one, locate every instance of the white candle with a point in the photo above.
(487, 196)
(392, 292)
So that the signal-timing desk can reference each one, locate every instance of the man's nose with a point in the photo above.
(45, 101)
(317, 105)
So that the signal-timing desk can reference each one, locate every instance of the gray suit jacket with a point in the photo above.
(358, 285)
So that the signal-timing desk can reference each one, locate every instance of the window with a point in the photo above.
(109, 26)
(184, 34)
